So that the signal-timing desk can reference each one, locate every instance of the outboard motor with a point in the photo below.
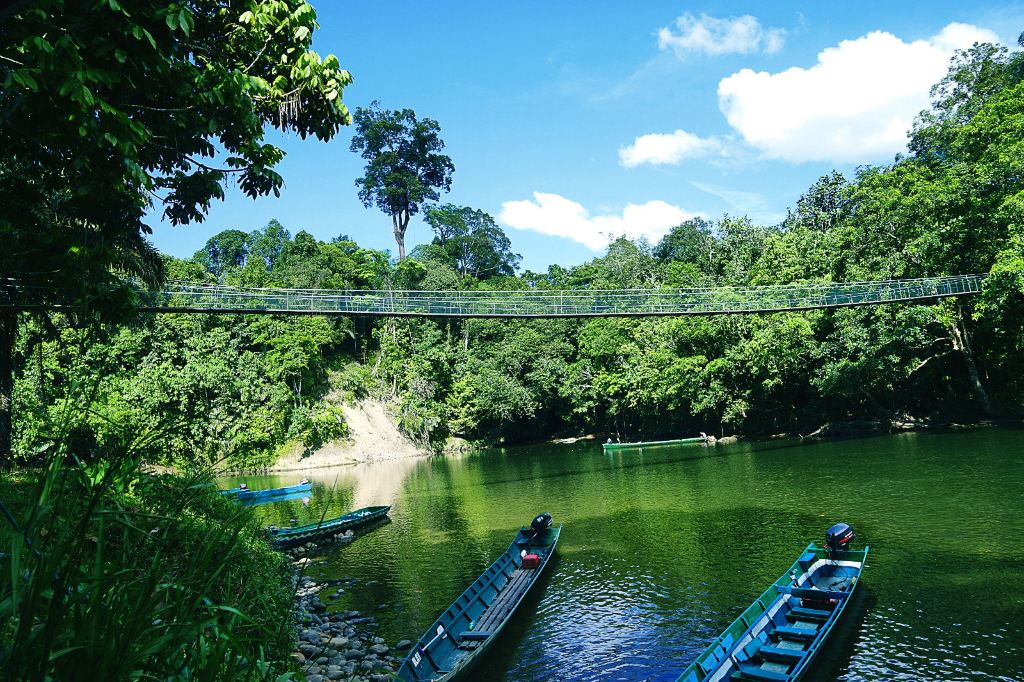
(541, 522)
(838, 538)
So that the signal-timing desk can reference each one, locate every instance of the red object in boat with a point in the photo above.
(531, 561)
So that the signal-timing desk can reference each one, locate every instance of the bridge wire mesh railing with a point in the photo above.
(184, 296)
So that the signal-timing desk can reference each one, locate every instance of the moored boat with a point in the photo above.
(290, 537)
(469, 626)
(247, 494)
(778, 635)
(608, 447)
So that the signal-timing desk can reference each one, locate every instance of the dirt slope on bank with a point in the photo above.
(374, 438)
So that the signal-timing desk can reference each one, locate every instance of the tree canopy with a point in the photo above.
(404, 164)
(109, 108)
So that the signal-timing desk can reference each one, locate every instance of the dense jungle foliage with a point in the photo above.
(244, 387)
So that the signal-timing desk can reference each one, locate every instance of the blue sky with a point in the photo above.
(573, 121)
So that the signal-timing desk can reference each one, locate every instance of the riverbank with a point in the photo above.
(339, 645)
(374, 437)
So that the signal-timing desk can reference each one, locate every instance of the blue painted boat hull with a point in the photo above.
(267, 494)
(778, 636)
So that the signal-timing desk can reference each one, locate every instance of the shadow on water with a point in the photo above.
(331, 543)
(837, 654)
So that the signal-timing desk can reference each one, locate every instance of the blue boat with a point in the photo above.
(469, 626)
(778, 635)
(246, 494)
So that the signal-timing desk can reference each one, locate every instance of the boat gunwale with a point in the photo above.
(465, 661)
(814, 645)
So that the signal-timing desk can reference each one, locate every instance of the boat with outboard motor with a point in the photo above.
(469, 626)
(778, 635)
(282, 538)
(612, 447)
(241, 493)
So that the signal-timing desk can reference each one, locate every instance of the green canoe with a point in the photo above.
(283, 538)
(611, 447)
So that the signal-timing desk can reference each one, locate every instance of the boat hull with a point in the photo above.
(470, 626)
(283, 538)
(777, 638)
(611, 447)
(250, 495)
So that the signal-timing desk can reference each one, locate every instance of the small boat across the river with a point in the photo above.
(778, 635)
(283, 538)
(469, 626)
(246, 494)
(611, 447)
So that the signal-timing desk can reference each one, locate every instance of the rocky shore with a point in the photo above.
(340, 645)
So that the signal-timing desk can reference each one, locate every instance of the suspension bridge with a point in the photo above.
(185, 297)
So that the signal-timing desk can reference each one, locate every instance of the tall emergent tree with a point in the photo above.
(111, 107)
(404, 164)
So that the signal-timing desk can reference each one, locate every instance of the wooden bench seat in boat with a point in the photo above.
(772, 653)
(474, 634)
(804, 613)
(802, 634)
(752, 672)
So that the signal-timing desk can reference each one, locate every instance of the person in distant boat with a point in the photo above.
(703, 435)
(304, 481)
(242, 486)
(609, 440)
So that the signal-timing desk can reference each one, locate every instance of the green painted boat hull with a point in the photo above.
(283, 538)
(778, 636)
(611, 447)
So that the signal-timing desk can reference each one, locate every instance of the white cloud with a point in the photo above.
(553, 214)
(713, 36)
(855, 104)
(671, 148)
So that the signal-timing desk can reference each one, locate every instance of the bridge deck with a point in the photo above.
(200, 298)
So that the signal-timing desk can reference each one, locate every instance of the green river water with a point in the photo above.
(663, 548)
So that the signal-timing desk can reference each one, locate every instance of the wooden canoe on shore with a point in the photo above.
(610, 447)
(778, 635)
(246, 494)
(469, 626)
(283, 538)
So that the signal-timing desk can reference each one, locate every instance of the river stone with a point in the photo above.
(367, 665)
(298, 657)
(338, 642)
(354, 653)
(379, 649)
(314, 678)
(309, 650)
(335, 673)
(403, 645)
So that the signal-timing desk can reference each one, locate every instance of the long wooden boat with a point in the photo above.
(778, 635)
(470, 625)
(298, 535)
(246, 494)
(610, 447)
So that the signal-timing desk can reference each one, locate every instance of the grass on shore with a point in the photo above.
(108, 572)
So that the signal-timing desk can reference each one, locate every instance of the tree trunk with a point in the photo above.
(400, 221)
(8, 336)
(962, 343)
